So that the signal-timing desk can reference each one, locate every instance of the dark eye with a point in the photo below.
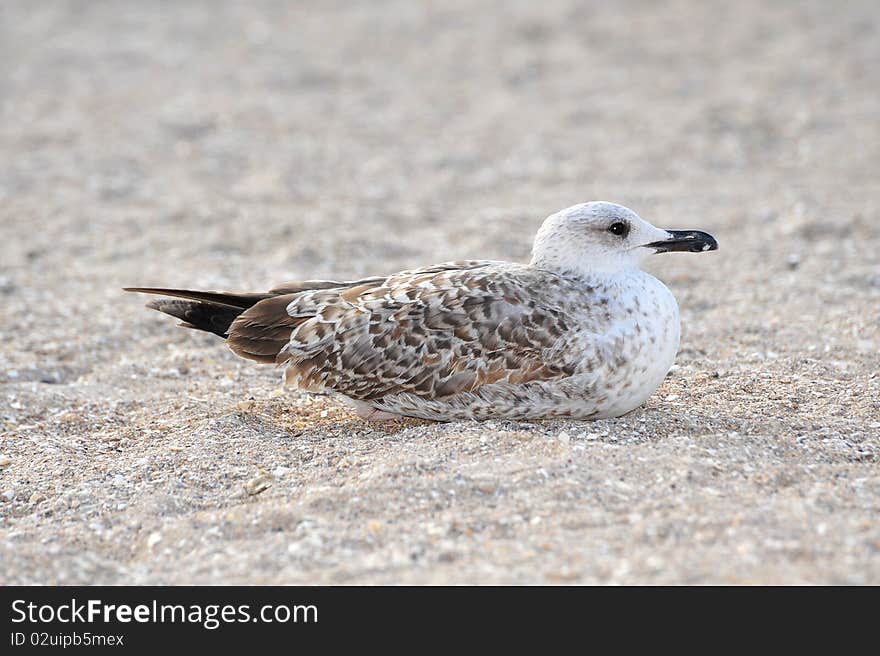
(619, 228)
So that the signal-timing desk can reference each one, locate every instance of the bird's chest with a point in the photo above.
(650, 334)
(631, 343)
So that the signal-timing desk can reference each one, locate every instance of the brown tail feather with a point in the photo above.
(212, 312)
(243, 301)
(210, 317)
(262, 331)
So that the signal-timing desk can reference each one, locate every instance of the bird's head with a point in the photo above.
(606, 238)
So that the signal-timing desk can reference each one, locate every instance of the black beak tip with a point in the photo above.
(704, 242)
(693, 241)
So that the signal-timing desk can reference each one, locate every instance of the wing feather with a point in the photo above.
(432, 332)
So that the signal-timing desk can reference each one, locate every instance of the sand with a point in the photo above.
(234, 146)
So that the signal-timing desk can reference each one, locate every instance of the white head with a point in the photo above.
(606, 238)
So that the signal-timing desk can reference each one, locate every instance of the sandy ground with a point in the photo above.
(235, 146)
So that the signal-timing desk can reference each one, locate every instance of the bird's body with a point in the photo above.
(471, 339)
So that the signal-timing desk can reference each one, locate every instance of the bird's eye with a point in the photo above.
(619, 228)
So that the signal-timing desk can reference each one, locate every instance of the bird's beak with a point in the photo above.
(694, 241)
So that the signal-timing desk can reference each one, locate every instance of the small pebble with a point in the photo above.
(259, 483)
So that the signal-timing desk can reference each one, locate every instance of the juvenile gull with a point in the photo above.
(580, 331)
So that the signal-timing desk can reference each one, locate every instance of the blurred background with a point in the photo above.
(249, 140)
(231, 145)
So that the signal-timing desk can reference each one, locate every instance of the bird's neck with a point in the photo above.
(587, 269)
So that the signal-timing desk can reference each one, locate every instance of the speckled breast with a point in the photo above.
(638, 344)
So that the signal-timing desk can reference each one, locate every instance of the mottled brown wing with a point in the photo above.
(432, 332)
(263, 330)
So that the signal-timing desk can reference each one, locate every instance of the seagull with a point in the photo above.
(579, 332)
